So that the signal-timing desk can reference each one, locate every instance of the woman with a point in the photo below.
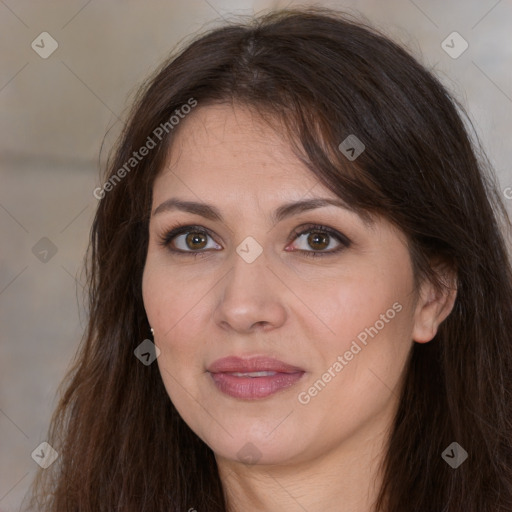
(297, 215)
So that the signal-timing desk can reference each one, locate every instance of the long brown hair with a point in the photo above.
(123, 446)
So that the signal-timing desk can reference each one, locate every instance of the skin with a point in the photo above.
(323, 455)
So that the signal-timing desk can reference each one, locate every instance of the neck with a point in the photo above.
(346, 478)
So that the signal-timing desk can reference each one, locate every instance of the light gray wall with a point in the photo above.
(57, 111)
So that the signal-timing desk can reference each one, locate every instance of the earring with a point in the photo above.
(152, 331)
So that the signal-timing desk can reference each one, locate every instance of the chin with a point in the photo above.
(254, 448)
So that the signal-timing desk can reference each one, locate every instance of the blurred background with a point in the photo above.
(68, 71)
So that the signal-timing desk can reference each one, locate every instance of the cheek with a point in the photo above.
(372, 322)
(168, 298)
(175, 308)
(172, 309)
(370, 317)
(354, 304)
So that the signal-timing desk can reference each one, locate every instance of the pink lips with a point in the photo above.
(269, 376)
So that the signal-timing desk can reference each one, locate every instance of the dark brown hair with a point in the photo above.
(122, 444)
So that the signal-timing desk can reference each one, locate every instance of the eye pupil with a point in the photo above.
(195, 238)
(316, 238)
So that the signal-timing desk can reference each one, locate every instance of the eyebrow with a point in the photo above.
(210, 212)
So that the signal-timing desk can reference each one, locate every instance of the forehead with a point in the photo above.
(232, 148)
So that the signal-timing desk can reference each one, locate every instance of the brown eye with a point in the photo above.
(196, 240)
(318, 240)
(188, 239)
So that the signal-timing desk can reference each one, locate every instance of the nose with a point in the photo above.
(251, 297)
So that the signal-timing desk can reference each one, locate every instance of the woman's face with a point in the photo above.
(322, 322)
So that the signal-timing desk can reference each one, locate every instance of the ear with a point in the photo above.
(434, 305)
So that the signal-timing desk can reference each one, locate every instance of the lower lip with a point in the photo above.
(253, 388)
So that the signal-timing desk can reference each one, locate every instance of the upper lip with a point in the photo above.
(251, 364)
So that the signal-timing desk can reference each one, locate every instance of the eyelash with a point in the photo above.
(165, 239)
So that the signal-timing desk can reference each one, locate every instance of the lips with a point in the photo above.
(253, 378)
